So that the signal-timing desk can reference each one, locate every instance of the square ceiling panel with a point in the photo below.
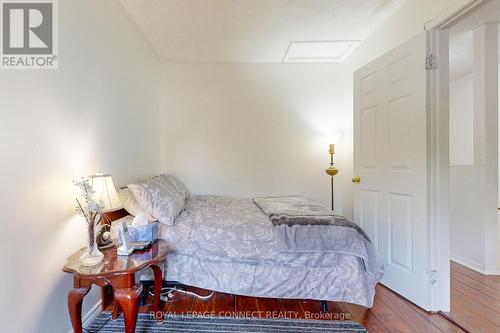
(320, 51)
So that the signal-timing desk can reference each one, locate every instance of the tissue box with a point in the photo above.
(144, 233)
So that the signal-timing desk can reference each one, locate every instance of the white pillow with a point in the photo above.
(130, 204)
(159, 198)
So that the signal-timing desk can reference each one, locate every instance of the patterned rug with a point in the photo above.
(145, 323)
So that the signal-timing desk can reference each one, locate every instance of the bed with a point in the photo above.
(231, 245)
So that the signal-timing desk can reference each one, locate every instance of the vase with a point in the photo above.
(91, 255)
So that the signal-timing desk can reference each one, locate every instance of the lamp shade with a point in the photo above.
(105, 191)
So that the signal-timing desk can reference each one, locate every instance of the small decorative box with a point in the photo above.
(144, 233)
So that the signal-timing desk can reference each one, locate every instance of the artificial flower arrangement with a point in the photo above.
(91, 210)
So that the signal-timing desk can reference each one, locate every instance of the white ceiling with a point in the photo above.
(256, 31)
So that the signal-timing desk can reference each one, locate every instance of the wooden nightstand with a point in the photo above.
(116, 276)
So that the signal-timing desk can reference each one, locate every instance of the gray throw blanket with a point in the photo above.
(302, 211)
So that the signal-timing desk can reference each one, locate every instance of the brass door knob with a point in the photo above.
(356, 180)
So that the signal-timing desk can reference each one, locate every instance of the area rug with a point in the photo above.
(145, 323)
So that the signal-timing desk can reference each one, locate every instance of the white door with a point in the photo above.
(392, 159)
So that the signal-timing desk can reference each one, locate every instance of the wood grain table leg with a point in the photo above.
(75, 299)
(107, 296)
(158, 281)
(128, 299)
(116, 311)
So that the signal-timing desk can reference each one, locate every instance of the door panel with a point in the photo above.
(369, 84)
(400, 225)
(399, 68)
(390, 156)
(370, 218)
(399, 110)
(368, 137)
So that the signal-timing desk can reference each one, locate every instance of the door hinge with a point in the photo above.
(430, 62)
(432, 276)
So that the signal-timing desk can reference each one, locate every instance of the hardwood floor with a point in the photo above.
(475, 300)
(475, 307)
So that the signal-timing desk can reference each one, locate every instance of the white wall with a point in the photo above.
(475, 229)
(466, 190)
(99, 111)
(467, 234)
(255, 130)
(462, 121)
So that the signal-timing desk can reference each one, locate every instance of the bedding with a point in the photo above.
(302, 211)
(293, 210)
(229, 245)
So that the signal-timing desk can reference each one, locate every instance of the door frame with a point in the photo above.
(438, 173)
(438, 152)
(451, 14)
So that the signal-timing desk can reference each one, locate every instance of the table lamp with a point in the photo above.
(105, 192)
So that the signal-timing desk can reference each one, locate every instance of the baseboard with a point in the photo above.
(467, 263)
(493, 272)
(90, 315)
(473, 265)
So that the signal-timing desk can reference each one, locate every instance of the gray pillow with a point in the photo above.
(159, 198)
